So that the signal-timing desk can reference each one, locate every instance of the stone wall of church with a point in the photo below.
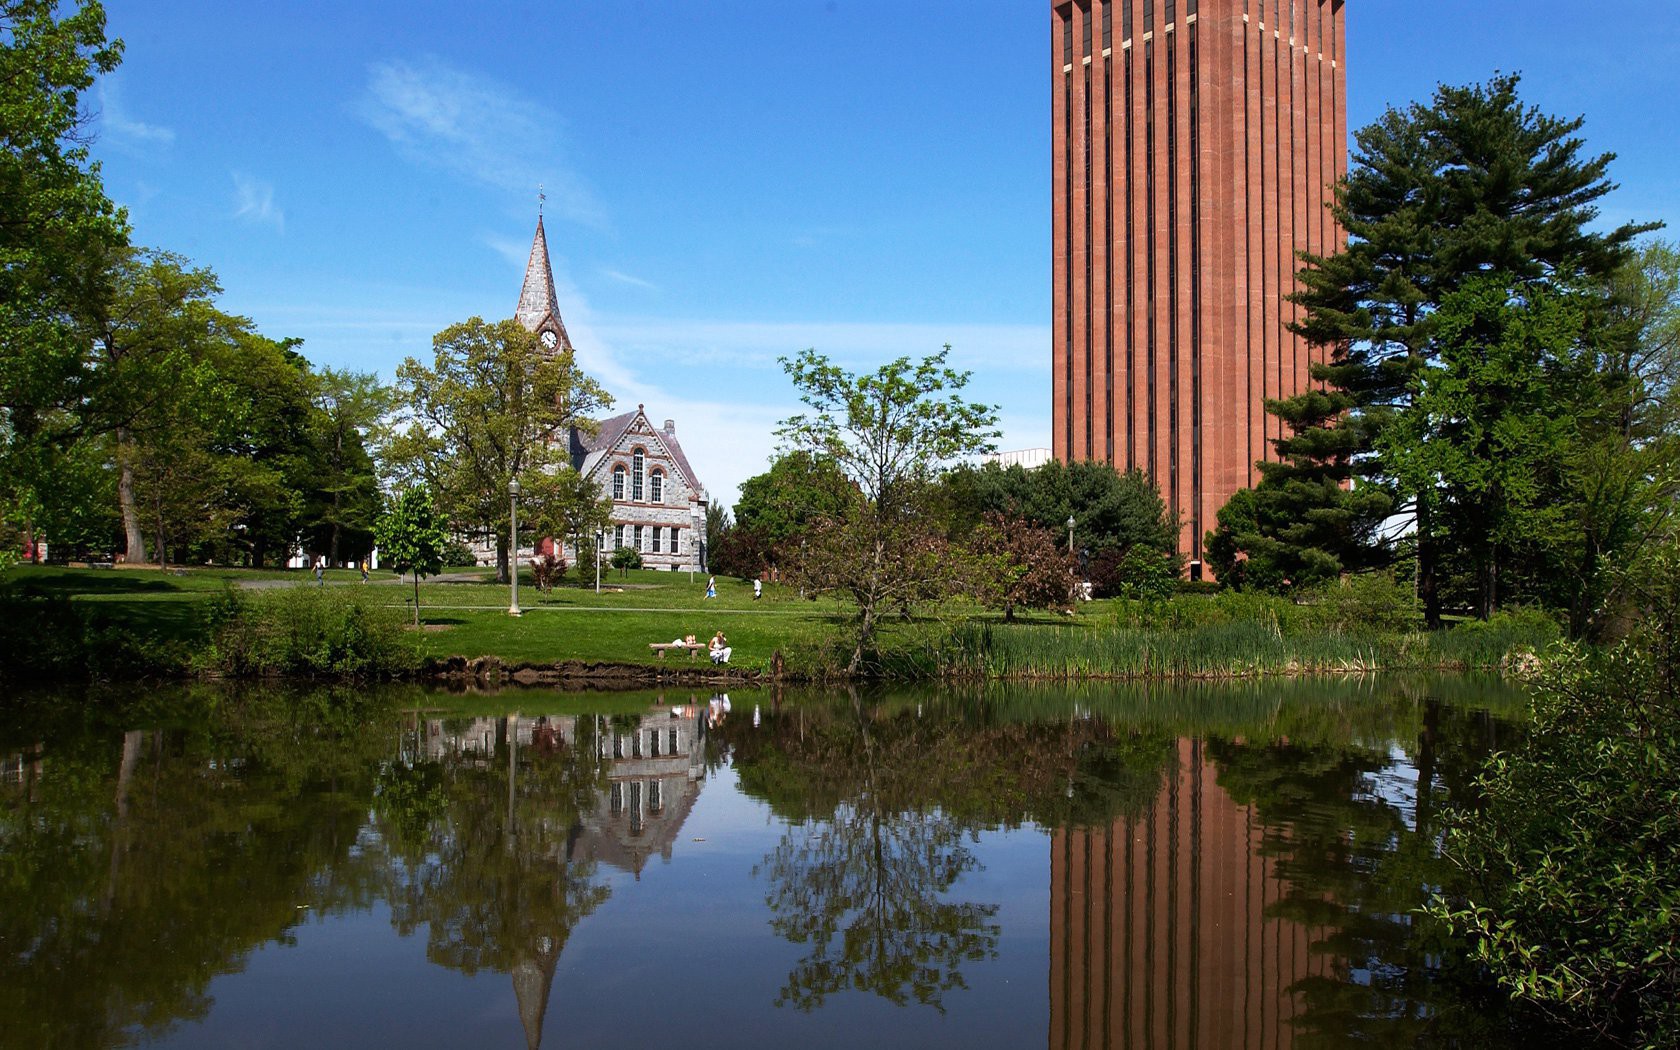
(681, 509)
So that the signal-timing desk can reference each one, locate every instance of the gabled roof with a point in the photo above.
(537, 301)
(588, 453)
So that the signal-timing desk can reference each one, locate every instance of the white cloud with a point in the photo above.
(476, 128)
(254, 202)
(122, 129)
(630, 279)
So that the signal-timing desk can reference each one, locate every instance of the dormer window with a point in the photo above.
(618, 482)
(656, 487)
(638, 466)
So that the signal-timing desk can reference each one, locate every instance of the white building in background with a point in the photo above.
(1027, 458)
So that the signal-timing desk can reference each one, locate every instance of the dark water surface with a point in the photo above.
(1188, 867)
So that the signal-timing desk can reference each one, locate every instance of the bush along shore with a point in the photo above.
(355, 633)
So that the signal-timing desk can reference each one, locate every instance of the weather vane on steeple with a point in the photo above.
(541, 196)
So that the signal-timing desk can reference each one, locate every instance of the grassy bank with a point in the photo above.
(124, 623)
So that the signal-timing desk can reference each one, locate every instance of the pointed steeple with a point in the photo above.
(539, 309)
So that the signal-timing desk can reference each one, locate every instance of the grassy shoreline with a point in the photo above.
(78, 624)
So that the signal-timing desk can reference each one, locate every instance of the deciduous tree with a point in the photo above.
(494, 405)
(890, 432)
(411, 538)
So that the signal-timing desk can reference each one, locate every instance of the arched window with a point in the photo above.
(618, 482)
(638, 462)
(656, 486)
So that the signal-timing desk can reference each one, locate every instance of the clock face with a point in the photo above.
(548, 340)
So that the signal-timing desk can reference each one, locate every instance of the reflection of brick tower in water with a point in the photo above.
(1160, 933)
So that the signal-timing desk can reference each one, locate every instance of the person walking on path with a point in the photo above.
(711, 587)
(320, 574)
(364, 570)
(758, 588)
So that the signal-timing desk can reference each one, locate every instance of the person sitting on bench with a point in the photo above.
(720, 649)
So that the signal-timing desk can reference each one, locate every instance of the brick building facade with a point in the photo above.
(1195, 144)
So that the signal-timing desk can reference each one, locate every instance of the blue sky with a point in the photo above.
(727, 181)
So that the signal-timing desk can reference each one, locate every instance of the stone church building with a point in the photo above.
(659, 505)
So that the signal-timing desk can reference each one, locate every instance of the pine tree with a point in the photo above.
(1436, 195)
(1306, 521)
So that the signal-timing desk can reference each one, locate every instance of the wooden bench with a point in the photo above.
(692, 647)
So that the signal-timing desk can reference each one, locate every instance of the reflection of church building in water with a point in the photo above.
(654, 770)
(1161, 927)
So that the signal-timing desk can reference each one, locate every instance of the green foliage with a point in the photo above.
(342, 491)
(1111, 510)
(1238, 634)
(411, 538)
(890, 432)
(775, 507)
(1439, 198)
(1137, 572)
(483, 414)
(56, 228)
(50, 636)
(1308, 520)
(1574, 894)
(626, 558)
(457, 554)
(1373, 603)
(307, 631)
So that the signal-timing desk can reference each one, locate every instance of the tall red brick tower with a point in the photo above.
(1195, 144)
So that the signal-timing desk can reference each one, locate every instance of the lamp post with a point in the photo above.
(600, 546)
(513, 545)
(1070, 534)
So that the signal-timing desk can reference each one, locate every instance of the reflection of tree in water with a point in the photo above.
(139, 864)
(483, 843)
(884, 802)
(1356, 854)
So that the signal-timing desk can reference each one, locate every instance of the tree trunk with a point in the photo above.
(162, 549)
(1428, 557)
(134, 540)
(502, 561)
(416, 599)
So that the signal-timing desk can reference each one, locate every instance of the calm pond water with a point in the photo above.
(1104, 866)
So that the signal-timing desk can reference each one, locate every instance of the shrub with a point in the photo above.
(1365, 604)
(1573, 860)
(308, 631)
(1137, 572)
(547, 570)
(52, 636)
(626, 558)
(457, 554)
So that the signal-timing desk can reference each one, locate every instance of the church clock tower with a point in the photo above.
(539, 310)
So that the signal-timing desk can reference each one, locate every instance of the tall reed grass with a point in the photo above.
(1190, 644)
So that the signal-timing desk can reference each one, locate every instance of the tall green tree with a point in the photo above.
(57, 227)
(494, 405)
(343, 491)
(891, 432)
(778, 505)
(1472, 183)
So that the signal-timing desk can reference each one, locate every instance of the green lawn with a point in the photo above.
(573, 623)
(469, 618)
